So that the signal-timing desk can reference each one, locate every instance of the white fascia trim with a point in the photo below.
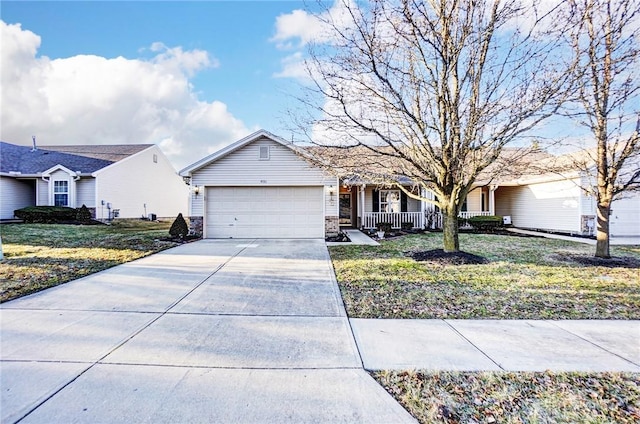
(186, 172)
(51, 170)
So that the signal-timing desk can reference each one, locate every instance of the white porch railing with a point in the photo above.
(430, 220)
(433, 220)
(467, 215)
(371, 219)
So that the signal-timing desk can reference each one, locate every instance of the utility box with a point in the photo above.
(506, 220)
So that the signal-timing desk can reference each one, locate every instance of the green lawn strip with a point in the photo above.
(526, 278)
(515, 397)
(38, 256)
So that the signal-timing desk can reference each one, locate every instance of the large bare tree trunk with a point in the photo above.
(451, 239)
(602, 235)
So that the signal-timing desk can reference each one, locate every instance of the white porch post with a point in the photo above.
(492, 199)
(423, 208)
(361, 207)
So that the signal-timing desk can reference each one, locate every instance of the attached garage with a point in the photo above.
(261, 187)
(264, 212)
(625, 217)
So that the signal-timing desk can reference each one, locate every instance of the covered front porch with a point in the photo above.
(366, 206)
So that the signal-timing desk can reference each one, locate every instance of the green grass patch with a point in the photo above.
(525, 278)
(38, 256)
(523, 397)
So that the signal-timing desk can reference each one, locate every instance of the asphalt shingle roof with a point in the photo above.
(86, 159)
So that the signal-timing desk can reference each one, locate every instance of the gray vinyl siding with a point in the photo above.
(15, 194)
(42, 198)
(86, 192)
(553, 206)
(244, 168)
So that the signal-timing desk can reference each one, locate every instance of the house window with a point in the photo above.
(155, 158)
(264, 152)
(390, 201)
(61, 193)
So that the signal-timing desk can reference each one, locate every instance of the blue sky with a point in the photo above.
(229, 56)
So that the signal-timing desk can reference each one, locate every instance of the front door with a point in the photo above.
(345, 210)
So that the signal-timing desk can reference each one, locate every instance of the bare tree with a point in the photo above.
(606, 44)
(431, 90)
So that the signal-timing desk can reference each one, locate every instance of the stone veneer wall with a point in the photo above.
(195, 225)
(331, 226)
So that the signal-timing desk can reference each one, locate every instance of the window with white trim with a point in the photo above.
(390, 201)
(61, 193)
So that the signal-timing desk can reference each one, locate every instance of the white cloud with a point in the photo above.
(307, 27)
(297, 29)
(297, 24)
(89, 99)
(293, 66)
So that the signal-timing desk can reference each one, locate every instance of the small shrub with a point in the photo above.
(486, 223)
(406, 226)
(179, 228)
(384, 226)
(83, 214)
(46, 214)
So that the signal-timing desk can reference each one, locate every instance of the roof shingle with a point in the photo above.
(86, 159)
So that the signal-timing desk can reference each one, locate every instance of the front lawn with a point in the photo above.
(38, 256)
(524, 397)
(524, 278)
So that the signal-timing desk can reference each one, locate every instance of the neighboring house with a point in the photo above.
(558, 204)
(126, 181)
(262, 187)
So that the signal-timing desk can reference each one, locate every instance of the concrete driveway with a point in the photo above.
(232, 331)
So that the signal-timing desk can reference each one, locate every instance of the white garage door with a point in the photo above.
(264, 212)
(625, 217)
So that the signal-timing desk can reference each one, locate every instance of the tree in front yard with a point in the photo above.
(605, 37)
(433, 91)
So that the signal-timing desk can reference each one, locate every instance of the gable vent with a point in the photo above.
(264, 152)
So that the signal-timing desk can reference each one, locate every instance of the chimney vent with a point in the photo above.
(35, 147)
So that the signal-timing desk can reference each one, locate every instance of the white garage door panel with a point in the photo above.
(264, 212)
(625, 217)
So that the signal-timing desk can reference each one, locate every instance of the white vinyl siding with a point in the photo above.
(86, 192)
(264, 212)
(474, 200)
(244, 167)
(130, 184)
(15, 194)
(553, 206)
(42, 193)
(625, 217)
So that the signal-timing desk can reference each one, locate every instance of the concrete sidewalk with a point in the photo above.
(499, 345)
(212, 331)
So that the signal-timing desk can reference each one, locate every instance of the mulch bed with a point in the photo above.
(441, 257)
